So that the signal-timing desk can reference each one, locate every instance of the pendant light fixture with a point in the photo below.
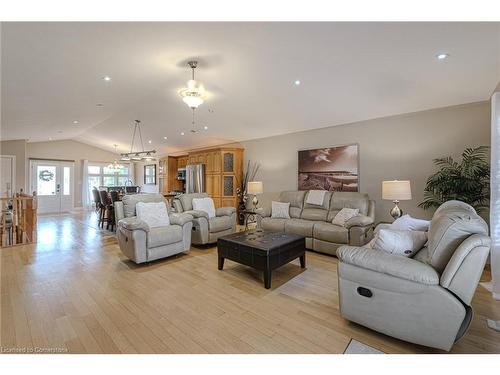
(115, 167)
(138, 155)
(193, 95)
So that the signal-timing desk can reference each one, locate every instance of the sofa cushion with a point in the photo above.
(326, 201)
(130, 200)
(187, 200)
(204, 204)
(315, 214)
(344, 215)
(164, 235)
(280, 210)
(449, 228)
(154, 214)
(296, 200)
(342, 199)
(219, 223)
(273, 225)
(331, 233)
(300, 227)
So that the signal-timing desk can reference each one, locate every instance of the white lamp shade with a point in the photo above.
(255, 187)
(396, 190)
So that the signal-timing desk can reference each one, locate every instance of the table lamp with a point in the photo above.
(396, 191)
(254, 188)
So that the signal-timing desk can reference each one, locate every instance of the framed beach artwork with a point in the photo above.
(332, 168)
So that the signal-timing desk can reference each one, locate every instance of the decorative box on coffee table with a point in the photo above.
(262, 250)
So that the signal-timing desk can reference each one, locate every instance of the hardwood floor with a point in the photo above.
(74, 291)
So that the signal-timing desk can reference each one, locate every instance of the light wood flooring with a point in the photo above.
(74, 291)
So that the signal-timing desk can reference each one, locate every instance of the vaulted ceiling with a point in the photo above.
(52, 75)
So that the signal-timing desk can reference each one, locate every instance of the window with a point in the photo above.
(46, 180)
(101, 175)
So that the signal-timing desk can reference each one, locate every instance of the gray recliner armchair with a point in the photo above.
(426, 299)
(139, 242)
(206, 230)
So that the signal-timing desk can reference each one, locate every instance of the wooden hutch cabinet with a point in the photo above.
(223, 173)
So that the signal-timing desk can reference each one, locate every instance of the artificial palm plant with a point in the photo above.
(467, 181)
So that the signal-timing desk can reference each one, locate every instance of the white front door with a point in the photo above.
(53, 183)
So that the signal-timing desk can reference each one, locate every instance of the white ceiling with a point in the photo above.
(52, 75)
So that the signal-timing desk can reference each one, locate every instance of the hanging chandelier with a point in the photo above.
(115, 167)
(138, 155)
(193, 95)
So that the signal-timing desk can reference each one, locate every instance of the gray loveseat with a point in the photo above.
(141, 243)
(425, 299)
(206, 230)
(315, 222)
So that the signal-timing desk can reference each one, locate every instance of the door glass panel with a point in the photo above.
(66, 180)
(94, 169)
(108, 180)
(46, 180)
(228, 186)
(94, 181)
(122, 181)
(228, 162)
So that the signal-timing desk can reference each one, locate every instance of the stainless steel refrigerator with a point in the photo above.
(195, 178)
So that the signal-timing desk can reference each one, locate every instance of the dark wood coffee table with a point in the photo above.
(262, 250)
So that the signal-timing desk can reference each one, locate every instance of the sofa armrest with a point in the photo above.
(133, 223)
(225, 211)
(263, 211)
(393, 265)
(197, 214)
(359, 221)
(180, 219)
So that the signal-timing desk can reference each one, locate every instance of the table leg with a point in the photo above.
(303, 261)
(267, 278)
(221, 263)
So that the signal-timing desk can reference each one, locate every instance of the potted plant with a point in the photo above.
(467, 180)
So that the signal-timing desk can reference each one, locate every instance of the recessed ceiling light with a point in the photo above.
(182, 133)
(165, 138)
(442, 56)
(297, 82)
(99, 105)
(59, 131)
(75, 122)
(205, 127)
(106, 78)
(150, 141)
(50, 138)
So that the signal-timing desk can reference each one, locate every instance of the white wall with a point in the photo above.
(399, 147)
(70, 150)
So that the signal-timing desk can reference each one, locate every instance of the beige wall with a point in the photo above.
(18, 149)
(139, 177)
(70, 150)
(399, 147)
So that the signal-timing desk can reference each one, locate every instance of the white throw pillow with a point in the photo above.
(400, 242)
(280, 210)
(406, 222)
(155, 214)
(345, 214)
(204, 204)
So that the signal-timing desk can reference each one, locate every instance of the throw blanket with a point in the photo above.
(316, 197)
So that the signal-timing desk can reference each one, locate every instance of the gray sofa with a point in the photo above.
(426, 299)
(315, 222)
(143, 244)
(206, 230)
